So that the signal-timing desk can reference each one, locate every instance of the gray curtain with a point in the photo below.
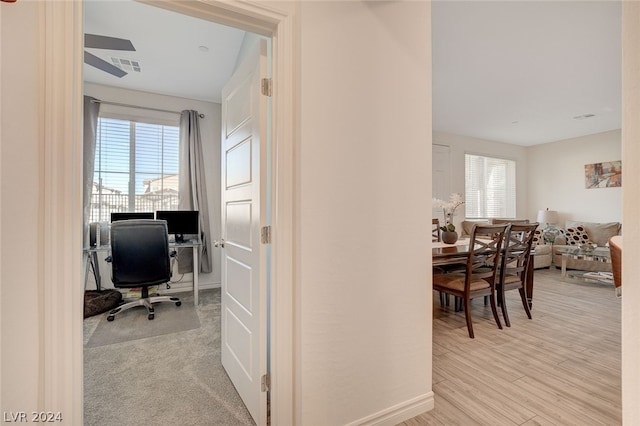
(91, 110)
(192, 191)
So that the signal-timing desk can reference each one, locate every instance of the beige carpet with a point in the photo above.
(133, 324)
(171, 379)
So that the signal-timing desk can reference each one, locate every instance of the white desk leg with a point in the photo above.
(196, 272)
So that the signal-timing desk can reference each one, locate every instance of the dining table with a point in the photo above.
(457, 253)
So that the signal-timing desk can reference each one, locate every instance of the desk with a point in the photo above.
(447, 254)
(91, 258)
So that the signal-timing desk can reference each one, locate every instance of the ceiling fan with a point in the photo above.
(110, 43)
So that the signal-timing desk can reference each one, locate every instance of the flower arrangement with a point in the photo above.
(449, 209)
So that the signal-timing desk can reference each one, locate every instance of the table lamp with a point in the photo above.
(550, 218)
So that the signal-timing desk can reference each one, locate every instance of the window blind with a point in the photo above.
(136, 168)
(490, 187)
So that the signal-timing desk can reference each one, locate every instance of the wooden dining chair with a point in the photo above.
(436, 236)
(435, 230)
(514, 265)
(480, 274)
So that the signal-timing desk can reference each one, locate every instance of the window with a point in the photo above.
(490, 187)
(136, 168)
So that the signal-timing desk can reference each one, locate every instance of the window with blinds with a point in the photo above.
(490, 187)
(136, 168)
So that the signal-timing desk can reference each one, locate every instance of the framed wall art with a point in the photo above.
(603, 175)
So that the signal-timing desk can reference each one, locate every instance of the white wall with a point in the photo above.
(363, 283)
(557, 180)
(20, 171)
(210, 132)
(549, 175)
(461, 145)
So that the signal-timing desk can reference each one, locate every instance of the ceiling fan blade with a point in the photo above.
(104, 42)
(103, 65)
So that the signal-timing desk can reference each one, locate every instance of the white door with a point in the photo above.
(244, 309)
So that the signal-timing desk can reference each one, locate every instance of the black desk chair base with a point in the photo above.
(145, 301)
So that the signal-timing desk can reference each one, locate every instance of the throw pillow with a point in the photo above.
(577, 236)
(537, 238)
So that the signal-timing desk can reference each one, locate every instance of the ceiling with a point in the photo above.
(168, 48)
(517, 72)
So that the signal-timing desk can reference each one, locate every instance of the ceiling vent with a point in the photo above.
(126, 64)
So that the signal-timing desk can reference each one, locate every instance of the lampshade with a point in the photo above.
(547, 216)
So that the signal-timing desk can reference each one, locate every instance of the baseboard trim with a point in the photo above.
(398, 413)
(181, 288)
(208, 286)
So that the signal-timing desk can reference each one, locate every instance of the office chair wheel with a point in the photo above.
(111, 318)
(178, 303)
(151, 316)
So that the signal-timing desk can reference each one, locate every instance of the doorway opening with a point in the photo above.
(216, 210)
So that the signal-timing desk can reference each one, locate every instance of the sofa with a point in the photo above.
(543, 252)
(577, 233)
(543, 256)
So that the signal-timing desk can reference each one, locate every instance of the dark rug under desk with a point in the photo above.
(133, 323)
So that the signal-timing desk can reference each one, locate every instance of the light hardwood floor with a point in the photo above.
(560, 368)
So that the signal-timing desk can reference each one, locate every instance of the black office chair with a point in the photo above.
(140, 257)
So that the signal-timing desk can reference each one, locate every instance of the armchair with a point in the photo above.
(615, 245)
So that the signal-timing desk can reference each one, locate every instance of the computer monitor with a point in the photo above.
(115, 216)
(180, 222)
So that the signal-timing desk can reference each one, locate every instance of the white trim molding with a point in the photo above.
(398, 413)
(61, 212)
(284, 398)
(1, 125)
(253, 16)
(630, 207)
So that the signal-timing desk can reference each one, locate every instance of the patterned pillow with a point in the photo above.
(577, 236)
(537, 237)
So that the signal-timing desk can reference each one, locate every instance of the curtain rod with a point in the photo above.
(136, 106)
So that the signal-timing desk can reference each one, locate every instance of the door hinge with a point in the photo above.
(267, 86)
(265, 234)
(265, 382)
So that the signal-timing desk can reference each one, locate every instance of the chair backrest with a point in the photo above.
(484, 258)
(139, 253)
(435, 230)
(518, 241)
(511, 221)
(615, 247)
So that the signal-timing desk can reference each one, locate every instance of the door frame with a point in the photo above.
(61, 196)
